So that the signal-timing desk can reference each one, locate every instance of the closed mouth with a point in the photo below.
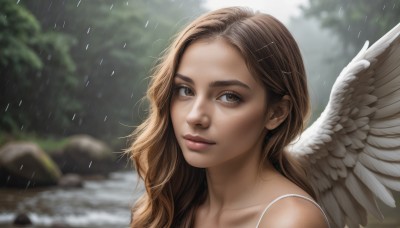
(198, 139)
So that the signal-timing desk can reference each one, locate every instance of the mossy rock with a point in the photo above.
(24, 164)
(86, 155)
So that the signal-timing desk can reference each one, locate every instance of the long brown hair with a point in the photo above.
(175, 189)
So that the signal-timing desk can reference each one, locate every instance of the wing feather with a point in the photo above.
(353, 148)
(388, 181)
(369, 179)
(395, 130)
(384, 167)
(386, 123)
(388, 88)
(335, 213)
(366, 111)
(387, 111)
(362, 195)
(391, 155)
(388, 101)
(383, 142)
(349, 205)
(389, 75)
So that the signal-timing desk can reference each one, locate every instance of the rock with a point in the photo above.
(24, 165)
(59, 225)
(71, 181)
(86, 155)
(4, 176)
(22, 219)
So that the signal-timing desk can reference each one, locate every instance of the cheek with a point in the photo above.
(249, 124)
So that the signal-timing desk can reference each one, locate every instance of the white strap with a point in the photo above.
(292, 195)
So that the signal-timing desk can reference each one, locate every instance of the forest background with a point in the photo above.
(80, 66)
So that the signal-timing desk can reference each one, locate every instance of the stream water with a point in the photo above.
(100, 203)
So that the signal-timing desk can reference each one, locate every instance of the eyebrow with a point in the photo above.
(216, 83)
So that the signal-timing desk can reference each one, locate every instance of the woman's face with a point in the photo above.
(218, 109)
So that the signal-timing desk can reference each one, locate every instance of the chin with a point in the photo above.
(195, 159)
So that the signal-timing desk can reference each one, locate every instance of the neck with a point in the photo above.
(237, 184)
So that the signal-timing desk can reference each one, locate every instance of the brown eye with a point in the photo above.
(230, 98)
(185, 91)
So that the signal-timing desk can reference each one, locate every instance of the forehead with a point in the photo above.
(215, 58)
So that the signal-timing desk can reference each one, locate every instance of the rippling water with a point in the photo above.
(100, 203)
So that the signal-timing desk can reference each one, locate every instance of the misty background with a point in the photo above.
(82, 67)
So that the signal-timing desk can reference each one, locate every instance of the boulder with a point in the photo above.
(22, 219)
(59, 225)
(71, 181)
(24, 164)
(86, 155)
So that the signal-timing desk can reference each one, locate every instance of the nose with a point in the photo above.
(199, 114)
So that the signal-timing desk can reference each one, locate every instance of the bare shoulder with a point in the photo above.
(293, 212)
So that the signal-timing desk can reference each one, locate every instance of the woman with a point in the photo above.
(225, 100)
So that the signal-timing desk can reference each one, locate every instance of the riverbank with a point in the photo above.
(100, 203)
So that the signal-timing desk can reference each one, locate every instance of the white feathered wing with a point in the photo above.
(353, 148)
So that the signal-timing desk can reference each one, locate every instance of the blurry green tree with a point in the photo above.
(113, 45)
(35, 67)
(355, 21)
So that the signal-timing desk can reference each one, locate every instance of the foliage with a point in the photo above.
(17, 26)
(30, 85)
(47, 144)
(355, 21)
(88, 62)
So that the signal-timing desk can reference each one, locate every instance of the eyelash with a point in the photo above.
(177, 89)
(236, 96)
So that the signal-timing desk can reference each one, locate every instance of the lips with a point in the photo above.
(197, 143)
(198, 139)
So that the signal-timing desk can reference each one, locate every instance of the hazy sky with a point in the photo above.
(281, 9)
